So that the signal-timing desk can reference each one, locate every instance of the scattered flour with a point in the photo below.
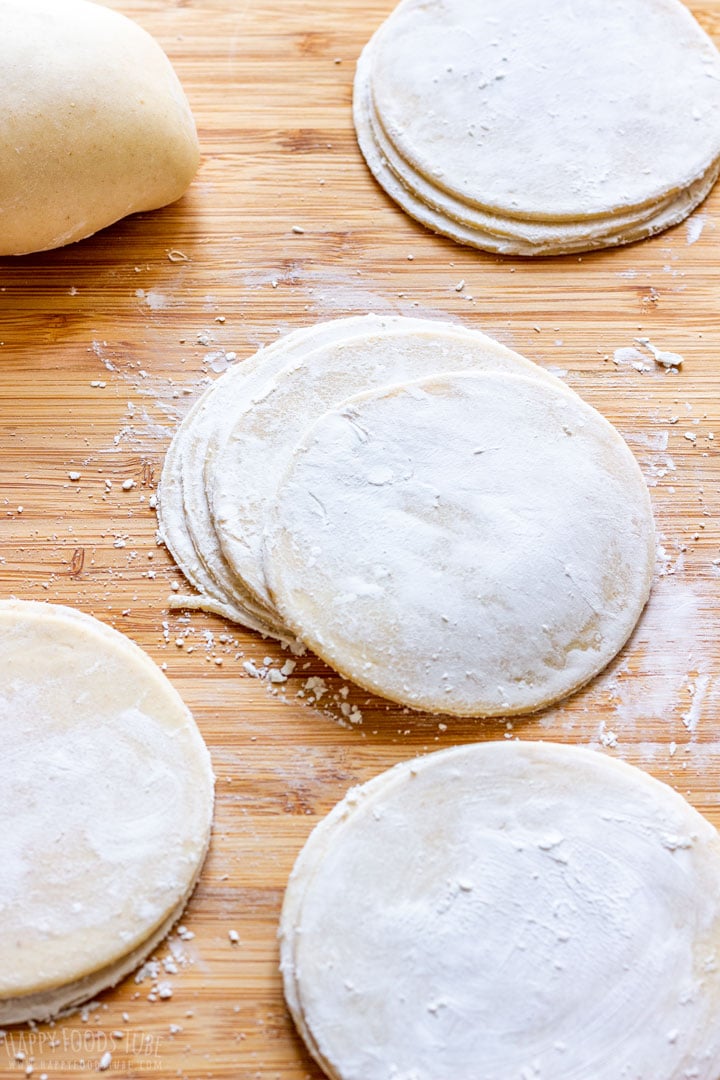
(669, 360)
(694, 227)
(698, 691)
(155, 300)
(631, 357)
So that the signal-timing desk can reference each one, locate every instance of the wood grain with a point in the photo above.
(146, 309)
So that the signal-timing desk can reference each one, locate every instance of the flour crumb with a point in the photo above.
(315, 686)
(677, 843)
(149, 970)
(105, 1061)
(697, 691)
(631, 357)
(694, 228)
(234, 937)
(669, 360)
(608, 739)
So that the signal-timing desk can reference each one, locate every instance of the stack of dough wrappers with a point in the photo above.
(438, 518)
(106, 799)
(541, 128)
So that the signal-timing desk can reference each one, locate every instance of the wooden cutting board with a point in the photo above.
(103, 348)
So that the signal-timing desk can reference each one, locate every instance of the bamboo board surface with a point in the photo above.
(103, 348)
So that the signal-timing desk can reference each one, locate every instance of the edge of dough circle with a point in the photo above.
(106, 799)
(507, 910)
(532, 128)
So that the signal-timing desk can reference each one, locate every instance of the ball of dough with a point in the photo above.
(94, 126)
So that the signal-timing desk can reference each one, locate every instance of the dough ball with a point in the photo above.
(94, 123)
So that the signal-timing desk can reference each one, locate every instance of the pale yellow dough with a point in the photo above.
(106, 795)
(94, 123)
(509, 911)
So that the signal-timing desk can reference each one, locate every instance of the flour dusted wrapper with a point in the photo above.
(106, 795)
(539, 590)
(541, 128)
(507, 910)
(473, 543)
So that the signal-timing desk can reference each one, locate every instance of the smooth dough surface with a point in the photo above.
(503, 911)
(104, 768)
(476, 543)
(248, 458)
(95, 124)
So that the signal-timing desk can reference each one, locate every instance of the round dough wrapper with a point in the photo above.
(442, 212)
(548, 111)
(508, 910)
(249, 458)
(95, 123)
(479, 544)
(104, 767)
(530, 240)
